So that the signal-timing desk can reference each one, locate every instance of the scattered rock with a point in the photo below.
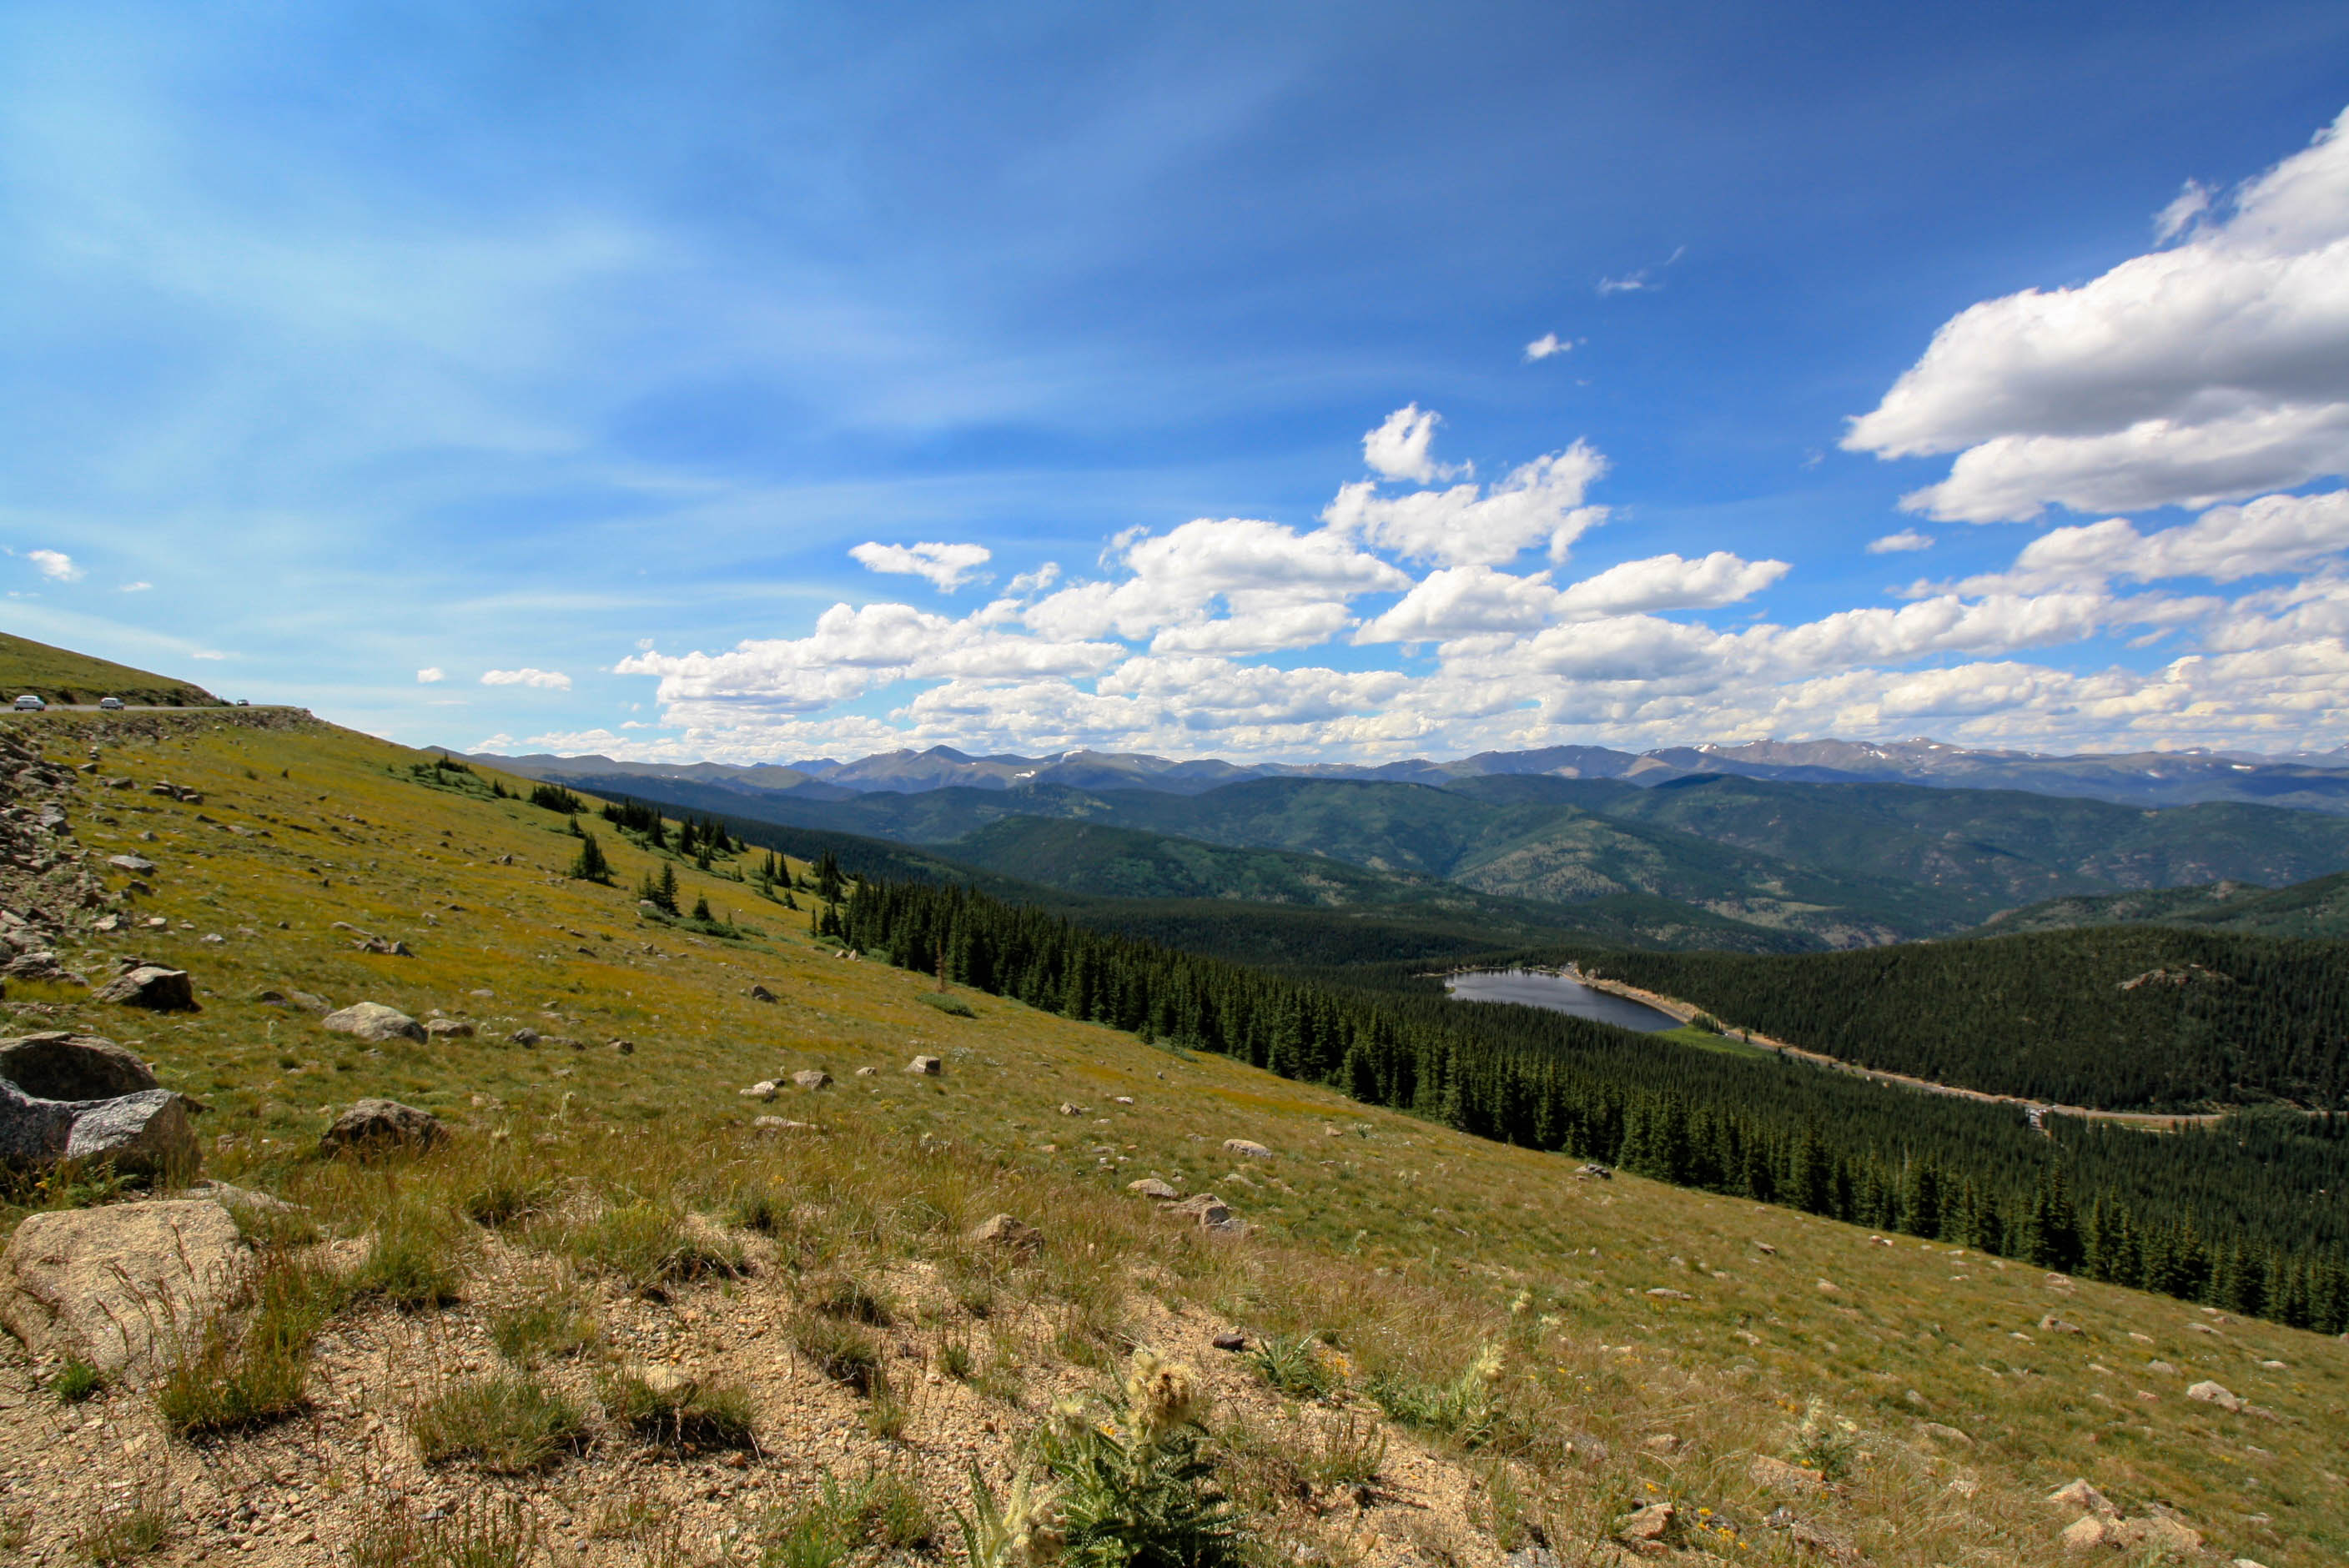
(868, 1072)
(111, 1283)
(1068, 1109)
(2079, 1494)
(2211, 1393)
(64, 1065)
(2155, 1533)
(373, 1021)
(1665, 1293)
(1229, 1339)
(2054, 1325)
(1765, 1247)
(1593, 1171)
(760, 993)
(136, 865)
(1123, 1099)
(1003, 1231)
(813, 1078)
(621, 1048)
(765, 1089)
(524, 1038)
(1206, 1210)
(383, 944)
(1152, 1187)
(782, 1124)
(1780, 1476)
(1246, 1150)
(1829, 1288)
(373, 1125)
(1942, 1434)
(151, 987)
(926, 1067)
(449, 1029)
(1647, 1527)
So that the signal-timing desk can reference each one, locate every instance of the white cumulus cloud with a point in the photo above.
(1540, 501)
(550, 680)
(1399, 449)
(55, 565)
(947, 567)
(2210, 370)
(431, 675)
(1548, 344)
(1893, 543)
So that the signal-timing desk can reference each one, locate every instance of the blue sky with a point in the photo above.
(570, 354)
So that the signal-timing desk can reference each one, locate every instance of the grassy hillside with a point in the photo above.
(1497, 1353)
(2132, 1018)
(59, 674)
(2317, 908)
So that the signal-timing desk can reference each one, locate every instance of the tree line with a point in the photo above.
(2240, 1215)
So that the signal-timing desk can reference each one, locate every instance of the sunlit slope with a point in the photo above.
(61, 675)
(310, 827)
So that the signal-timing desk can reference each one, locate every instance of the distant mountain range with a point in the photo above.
(1661, 849)
(2305, 782)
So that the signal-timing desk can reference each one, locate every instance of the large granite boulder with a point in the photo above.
(63, 1066)
(373, 1125)
(373, 1021)
(147, 1133)
(151, 987)
(119, 1285)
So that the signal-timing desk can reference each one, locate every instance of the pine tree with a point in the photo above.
(590, 865)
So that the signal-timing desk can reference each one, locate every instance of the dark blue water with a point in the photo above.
(1558, 993)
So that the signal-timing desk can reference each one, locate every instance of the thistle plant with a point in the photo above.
(1137, 1486)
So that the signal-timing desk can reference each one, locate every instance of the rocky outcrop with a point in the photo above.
(379, 1126)
(119, 1285)
(60, 1065)
(373, 1021)
(151, 987)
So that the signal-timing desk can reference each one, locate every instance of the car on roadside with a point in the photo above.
(110, 704)
(29, 703)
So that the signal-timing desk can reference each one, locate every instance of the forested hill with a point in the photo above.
(2319, 908)
(2132, 1018)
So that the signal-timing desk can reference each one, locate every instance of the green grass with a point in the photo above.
(550, 1328)
(75, 1380)
(898, 1168)
(686, 1414)
(246, 1369)
(508, 1423)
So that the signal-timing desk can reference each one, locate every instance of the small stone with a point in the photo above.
(1152, 1187)
(1781, 1476)
(760, 993)
(151, 987)
(1648, 1526)
(2054, 1325)
(1942, 1434)
(524, 1038)
(449, 1029)
(813, 1078)
(1004, 1230)
(1068, 1109)
(1206, 1210)
(136, 865)
(373, 1021)
(1829, 1288)
(2077, 1494)
(765, 1089)
(375, 1125)
(1230, 1339)
(2211, 1393)
(106, 1282)
(1246, 1150)
(782, 1124)
(621, 1048)
(1665, 1293)
(926, 1067)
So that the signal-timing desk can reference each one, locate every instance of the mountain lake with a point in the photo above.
(1535, 988)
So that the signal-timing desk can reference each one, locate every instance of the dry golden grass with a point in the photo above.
(1496, 1303)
